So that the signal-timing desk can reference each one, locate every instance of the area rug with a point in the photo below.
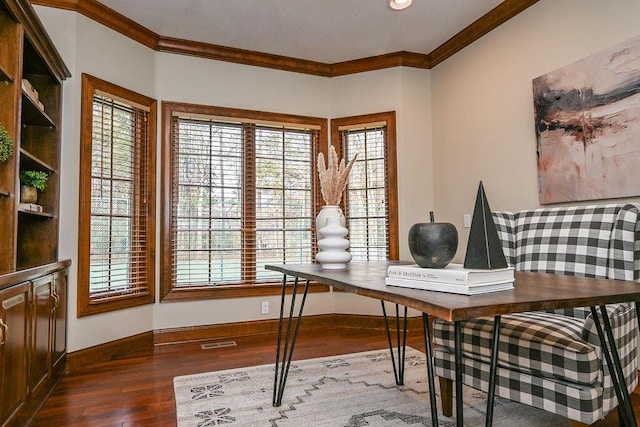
(352, 390)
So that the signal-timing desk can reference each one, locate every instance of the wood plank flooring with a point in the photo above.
(139, 391)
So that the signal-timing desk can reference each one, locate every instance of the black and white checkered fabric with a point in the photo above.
(538, 343)
(553, 361)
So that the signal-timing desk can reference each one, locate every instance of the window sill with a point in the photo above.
(235, 291)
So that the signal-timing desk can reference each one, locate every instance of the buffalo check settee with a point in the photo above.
(552, 360)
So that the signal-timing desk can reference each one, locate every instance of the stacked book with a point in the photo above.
(31, 207)
(30, 91)
(454, 278)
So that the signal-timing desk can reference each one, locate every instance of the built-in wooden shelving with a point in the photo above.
(31, 75)
(30, 162)
(32, 114)
(35, 214)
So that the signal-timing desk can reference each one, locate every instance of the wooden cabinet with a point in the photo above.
(14, 339)
(59, 337)
(32, 338)
(31, 75)
(41, 332)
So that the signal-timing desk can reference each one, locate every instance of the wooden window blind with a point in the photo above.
(117, 224)
(243, 194)
(370, 201)
(284, 213)
(208, 195)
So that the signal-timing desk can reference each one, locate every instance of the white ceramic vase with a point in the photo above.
(326, 212)
(333, 254)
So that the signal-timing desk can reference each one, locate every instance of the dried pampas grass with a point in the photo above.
(333, 176)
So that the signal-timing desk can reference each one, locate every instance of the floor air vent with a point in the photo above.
(221, 344)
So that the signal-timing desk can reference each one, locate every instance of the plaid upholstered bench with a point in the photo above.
(552, 360)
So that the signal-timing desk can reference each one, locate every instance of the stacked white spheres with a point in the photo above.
(333, 246)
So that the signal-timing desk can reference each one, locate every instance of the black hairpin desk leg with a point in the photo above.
(613, 362)
(493, 370)
(282, 366)
(401, 340)
(430, 372)
(458, 361)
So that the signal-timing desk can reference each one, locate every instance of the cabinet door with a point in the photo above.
(14, 338)
(41, 320)
(59, 318)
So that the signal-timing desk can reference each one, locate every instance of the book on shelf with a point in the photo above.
(453, 288)
(32, 207)
(28, 89)
(452, 273)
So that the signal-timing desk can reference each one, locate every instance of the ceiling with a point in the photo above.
(327, 31)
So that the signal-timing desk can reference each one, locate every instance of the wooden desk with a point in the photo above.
(532, 292)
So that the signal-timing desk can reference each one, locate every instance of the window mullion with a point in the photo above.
(248, 264)
(111, 197)
(210, 232)
(366, 194)
(283, 239)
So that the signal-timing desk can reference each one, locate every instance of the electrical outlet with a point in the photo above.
(264, 306)
(467, 220)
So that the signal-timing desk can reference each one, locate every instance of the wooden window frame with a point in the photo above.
(85, 305)
(169, 109)
(389, 118)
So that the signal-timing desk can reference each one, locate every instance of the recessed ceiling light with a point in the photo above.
(399, 4)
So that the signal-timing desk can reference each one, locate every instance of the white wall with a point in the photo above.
(478, 104)
(89, 47)
(407, 91)
(482, 100)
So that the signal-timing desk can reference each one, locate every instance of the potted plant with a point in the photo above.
(32, 182)
(6, 144)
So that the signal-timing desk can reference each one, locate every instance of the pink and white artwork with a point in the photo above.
(587, 117)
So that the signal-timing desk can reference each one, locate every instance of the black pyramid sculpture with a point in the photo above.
(484, 250)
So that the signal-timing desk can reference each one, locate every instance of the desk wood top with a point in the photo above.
(531, 292)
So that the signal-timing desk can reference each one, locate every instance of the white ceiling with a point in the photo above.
(327, 31)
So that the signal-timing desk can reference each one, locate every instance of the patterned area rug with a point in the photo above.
(352, 390)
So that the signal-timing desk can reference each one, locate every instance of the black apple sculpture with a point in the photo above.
(434, 244)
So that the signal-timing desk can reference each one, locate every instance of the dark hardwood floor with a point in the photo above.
(139, 391)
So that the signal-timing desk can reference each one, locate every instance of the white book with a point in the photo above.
(452, 273)
(449, 287)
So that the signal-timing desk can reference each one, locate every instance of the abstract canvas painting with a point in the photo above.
(587, 118)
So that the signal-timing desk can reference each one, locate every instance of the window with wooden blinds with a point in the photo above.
(370, 201)
(242, 193)
(116, 263)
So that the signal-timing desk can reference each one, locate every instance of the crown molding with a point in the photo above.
(493, 19)
(397, 59)
(107, 17)
(242, 56)
(127, 27)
